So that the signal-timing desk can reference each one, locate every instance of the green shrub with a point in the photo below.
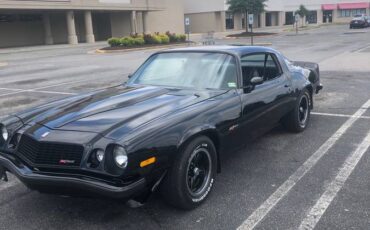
(164, 38)
(114, 42)
(127, 41)
(181, 38)
(139, 41)
(172, 36)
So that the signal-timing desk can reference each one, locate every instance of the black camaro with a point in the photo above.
(164, 129)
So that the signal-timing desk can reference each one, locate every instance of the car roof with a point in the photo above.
(239, 50)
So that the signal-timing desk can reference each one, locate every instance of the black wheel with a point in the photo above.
(190, 180)
(298, 119)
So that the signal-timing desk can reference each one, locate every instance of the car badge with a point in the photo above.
(45, 134)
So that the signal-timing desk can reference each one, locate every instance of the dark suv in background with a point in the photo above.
(360, 21)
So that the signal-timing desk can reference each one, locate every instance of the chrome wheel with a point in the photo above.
(199, 172)
(303, 111)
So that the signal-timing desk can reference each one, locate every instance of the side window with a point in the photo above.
(252, 66)
(272, 69)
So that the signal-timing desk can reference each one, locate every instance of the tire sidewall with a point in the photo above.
(200, 142)
(306, 94)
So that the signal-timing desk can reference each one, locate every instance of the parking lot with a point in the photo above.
(317, 179)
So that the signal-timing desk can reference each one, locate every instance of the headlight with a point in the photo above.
(4, 133)
(99, 155)
(120, 157)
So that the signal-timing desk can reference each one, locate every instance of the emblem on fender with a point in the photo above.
(45, 134)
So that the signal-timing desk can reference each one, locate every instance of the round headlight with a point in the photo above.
(120, 157)
(4, 133)
(99, 155)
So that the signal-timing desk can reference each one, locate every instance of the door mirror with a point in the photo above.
(256, 81)
(130, 75)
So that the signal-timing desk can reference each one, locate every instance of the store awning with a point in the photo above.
(329, 6)
(349, 6)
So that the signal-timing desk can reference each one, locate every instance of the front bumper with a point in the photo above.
(64, 185)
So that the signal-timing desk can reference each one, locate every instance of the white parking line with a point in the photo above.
(45, 87)
(337, 115)
(259, 214)
(335, 186)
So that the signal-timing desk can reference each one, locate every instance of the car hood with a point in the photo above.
(117, 107)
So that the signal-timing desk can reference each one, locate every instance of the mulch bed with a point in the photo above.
(249, 34)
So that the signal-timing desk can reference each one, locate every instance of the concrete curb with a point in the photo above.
(3, 64)
(100, 51)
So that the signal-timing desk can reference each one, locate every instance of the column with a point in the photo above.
(133, 22)
(47, 27)
(320, 17)
(90, 38)
(238, 23)
(335, 15)
(263, 20)
(145, 22)
(281, 18)
(71, 27)
(223, 21)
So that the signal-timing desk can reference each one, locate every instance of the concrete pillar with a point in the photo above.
(71, 27)
(335, 15)
(281, 18)
(263, 20)
(47, 27)
(145, 22)
(133, 22)
(320, 17)
(222, 21)
(238, 21)
(90, 38)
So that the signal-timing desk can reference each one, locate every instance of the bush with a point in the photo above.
(172, 36)
(139, 41)
(127, 41)
(114, 42)
(181, 38)
(164, 38)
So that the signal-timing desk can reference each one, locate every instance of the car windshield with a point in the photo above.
(188, 70)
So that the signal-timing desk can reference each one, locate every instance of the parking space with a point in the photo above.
(279, 181)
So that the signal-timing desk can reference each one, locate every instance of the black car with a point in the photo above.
(359, 21)
(165, 129)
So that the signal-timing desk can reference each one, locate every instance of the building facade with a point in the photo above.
(213, 15)
(37, 22)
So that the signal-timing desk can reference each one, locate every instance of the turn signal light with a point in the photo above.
(147, 162)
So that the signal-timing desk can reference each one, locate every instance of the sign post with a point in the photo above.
(251, 22)
(296, 17)
(187, 27)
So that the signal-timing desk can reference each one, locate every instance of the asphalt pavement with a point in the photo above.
(318, 179)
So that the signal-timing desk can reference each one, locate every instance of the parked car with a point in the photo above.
(360, 21)
(165, 129)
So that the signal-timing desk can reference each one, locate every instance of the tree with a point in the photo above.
(247, 7)
(302, 12)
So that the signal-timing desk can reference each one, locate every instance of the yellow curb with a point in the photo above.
(3, 64)
(100, 51)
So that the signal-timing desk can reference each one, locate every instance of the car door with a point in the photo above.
(263, 105)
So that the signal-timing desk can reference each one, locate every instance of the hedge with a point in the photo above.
(143, 39)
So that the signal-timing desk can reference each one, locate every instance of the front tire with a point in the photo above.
(298, 119)
(190, 180)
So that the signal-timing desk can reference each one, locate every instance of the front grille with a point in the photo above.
(48, 153)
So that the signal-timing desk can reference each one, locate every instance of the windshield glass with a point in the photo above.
(188, 70)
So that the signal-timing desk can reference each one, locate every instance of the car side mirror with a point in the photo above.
(130, 75)
(256, 81)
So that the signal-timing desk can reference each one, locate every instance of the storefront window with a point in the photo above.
(312, 17)
(229, 21)
(351, 13)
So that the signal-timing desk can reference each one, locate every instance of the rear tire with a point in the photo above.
(190, 180)
(298, 119)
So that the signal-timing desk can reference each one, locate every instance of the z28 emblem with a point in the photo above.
(65, 162)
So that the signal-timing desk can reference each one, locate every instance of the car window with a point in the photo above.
(189, 70)
(252, 66)
(272, 69)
